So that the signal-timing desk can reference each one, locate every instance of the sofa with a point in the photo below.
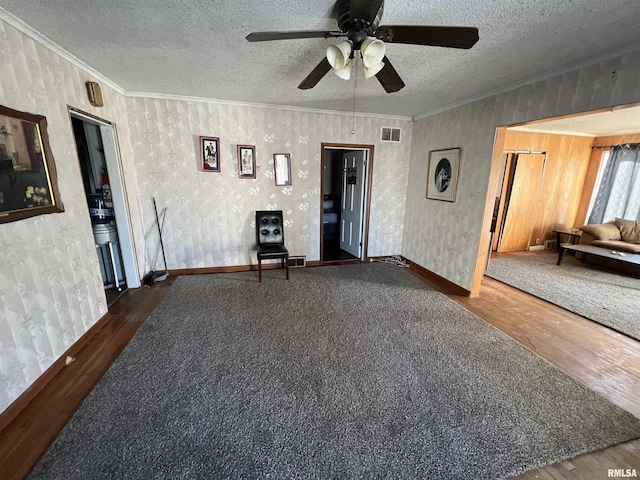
(620, 235)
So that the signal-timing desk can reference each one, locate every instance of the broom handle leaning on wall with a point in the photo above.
(164, 258)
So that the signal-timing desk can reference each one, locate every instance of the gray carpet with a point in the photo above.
(602, 295)
(357, 371)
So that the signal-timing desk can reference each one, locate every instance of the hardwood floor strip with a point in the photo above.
(23, 400)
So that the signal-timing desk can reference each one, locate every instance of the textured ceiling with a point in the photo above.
(198, 48)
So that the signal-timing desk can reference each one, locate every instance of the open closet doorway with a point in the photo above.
(346, 183)
(104, 188)
(517, 206)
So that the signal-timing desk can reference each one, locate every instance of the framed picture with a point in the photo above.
(28, 182)
(246, 161)
(282, 168)
(442, 179)
(209, 154)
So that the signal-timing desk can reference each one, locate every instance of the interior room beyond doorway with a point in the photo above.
(97, 154)
(344, 207)
(574, 147)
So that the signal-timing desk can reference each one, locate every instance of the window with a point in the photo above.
(619, 186)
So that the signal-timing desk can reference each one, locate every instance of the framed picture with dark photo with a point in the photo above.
(246, 161)
(442, 179)
(282, 168)
(210, 154)
(28, 180)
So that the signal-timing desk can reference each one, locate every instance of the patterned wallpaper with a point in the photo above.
(444, 237)
(50, 283)
(210, 216)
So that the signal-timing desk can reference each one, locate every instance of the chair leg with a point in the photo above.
(286, 262)
(259, 270)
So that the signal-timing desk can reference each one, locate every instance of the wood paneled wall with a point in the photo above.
(562, 187)
(594, 166)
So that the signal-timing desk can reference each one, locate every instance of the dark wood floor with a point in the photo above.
(604, 360)
(112, 295)
(331, 251)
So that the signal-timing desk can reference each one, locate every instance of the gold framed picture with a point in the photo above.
(28, 182)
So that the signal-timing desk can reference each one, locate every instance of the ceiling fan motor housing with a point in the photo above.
(357, 29)
(359, 21)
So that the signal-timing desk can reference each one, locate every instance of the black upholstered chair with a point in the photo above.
(270, 236)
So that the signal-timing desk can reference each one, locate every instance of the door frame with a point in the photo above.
(118, 192)
(364, 255)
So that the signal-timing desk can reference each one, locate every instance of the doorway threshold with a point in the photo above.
(345, 261)
(112, 295)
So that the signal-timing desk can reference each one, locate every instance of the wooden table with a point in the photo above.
(573, 234)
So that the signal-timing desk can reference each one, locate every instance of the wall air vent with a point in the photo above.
(390, 134)
(300, 261)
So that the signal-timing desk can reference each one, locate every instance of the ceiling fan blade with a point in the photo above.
(269, 36)
(389, 78)
(452, 37)
(316, 75)
(365, 9)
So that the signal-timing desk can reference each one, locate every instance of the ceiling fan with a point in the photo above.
(359, 20)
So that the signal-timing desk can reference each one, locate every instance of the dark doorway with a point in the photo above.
(95, 177)
(344, 208)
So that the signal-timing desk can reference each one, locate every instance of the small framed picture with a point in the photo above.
(442, 179)
(282, 168)
(209, 154)
(246, 161)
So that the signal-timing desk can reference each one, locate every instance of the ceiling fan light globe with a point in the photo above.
(373, 71)
(338, 55)
(344, 73)
(372, 51)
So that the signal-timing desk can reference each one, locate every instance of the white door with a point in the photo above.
(353, 177)
(116, 180)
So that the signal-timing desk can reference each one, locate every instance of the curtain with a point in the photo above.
(619, 192)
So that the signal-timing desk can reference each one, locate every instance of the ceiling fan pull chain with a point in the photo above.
(355, 82)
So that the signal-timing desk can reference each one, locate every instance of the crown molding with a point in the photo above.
(46, 42)
(566, 68)
(185, 98)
